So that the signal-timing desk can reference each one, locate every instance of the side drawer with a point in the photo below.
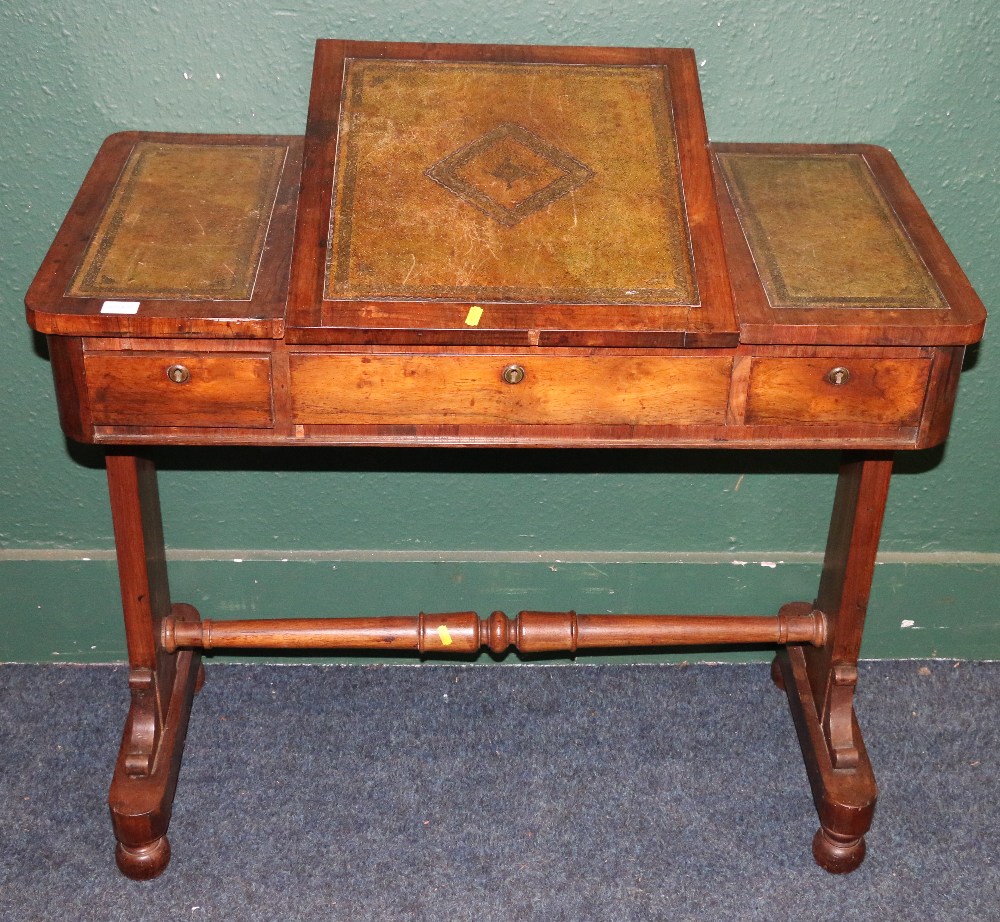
(471, 389)
(888, 392)
(176, 389)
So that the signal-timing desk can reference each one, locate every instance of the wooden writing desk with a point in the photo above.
(498, 246)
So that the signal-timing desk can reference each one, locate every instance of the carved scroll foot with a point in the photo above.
(836, 854)
(145, 861)
(844, 795)
(145, 778)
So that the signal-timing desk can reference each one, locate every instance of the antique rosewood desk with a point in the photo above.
(500, 246)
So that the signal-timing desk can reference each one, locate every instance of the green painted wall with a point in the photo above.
(919, 76)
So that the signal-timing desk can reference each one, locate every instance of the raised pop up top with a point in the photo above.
(516, 196)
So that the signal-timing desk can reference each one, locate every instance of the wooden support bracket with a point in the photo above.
(838, 722)
(142, 729)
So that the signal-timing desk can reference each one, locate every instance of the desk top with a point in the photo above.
(501, 196)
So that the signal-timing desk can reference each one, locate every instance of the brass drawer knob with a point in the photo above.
(838, 376)
(513, 374)
(179, 374)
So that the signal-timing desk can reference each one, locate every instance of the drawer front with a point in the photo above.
(471, 389)
(886, 392)
(174, 389)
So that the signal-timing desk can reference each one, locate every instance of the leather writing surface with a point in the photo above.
(508, 182)
(184, 221)
(822, 233)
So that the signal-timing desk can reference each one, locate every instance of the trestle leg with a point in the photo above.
(820, 681)
(162, 684)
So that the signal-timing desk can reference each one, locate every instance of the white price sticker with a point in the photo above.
(120, 307)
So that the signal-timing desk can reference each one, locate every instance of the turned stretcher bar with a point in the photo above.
(528, 631)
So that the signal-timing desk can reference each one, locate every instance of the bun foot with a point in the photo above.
(835, 854)
(144, 862)
(776, 675)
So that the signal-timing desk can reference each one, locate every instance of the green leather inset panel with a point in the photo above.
(508, 182)
(822, 233)
(185, 221)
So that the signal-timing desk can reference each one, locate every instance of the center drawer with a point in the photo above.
(332, 388)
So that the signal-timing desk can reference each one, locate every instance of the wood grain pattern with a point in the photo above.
(778, 395)
(942, 389)
(874, 391)
(525, 435)
(466, 632)
(221, 391)
(609, 322)
(66, 355)
(845, 799)
(417, 389)
(626, 398)
(161, 686)
(821, 681)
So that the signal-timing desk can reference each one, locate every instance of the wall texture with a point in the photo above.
(358, 532)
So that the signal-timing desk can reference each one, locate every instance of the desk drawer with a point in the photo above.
(176, 389)
(826, 390)
(540, 389)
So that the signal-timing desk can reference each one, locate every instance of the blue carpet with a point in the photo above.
(494, 793)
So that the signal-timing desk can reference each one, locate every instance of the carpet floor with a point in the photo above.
(439, 792)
